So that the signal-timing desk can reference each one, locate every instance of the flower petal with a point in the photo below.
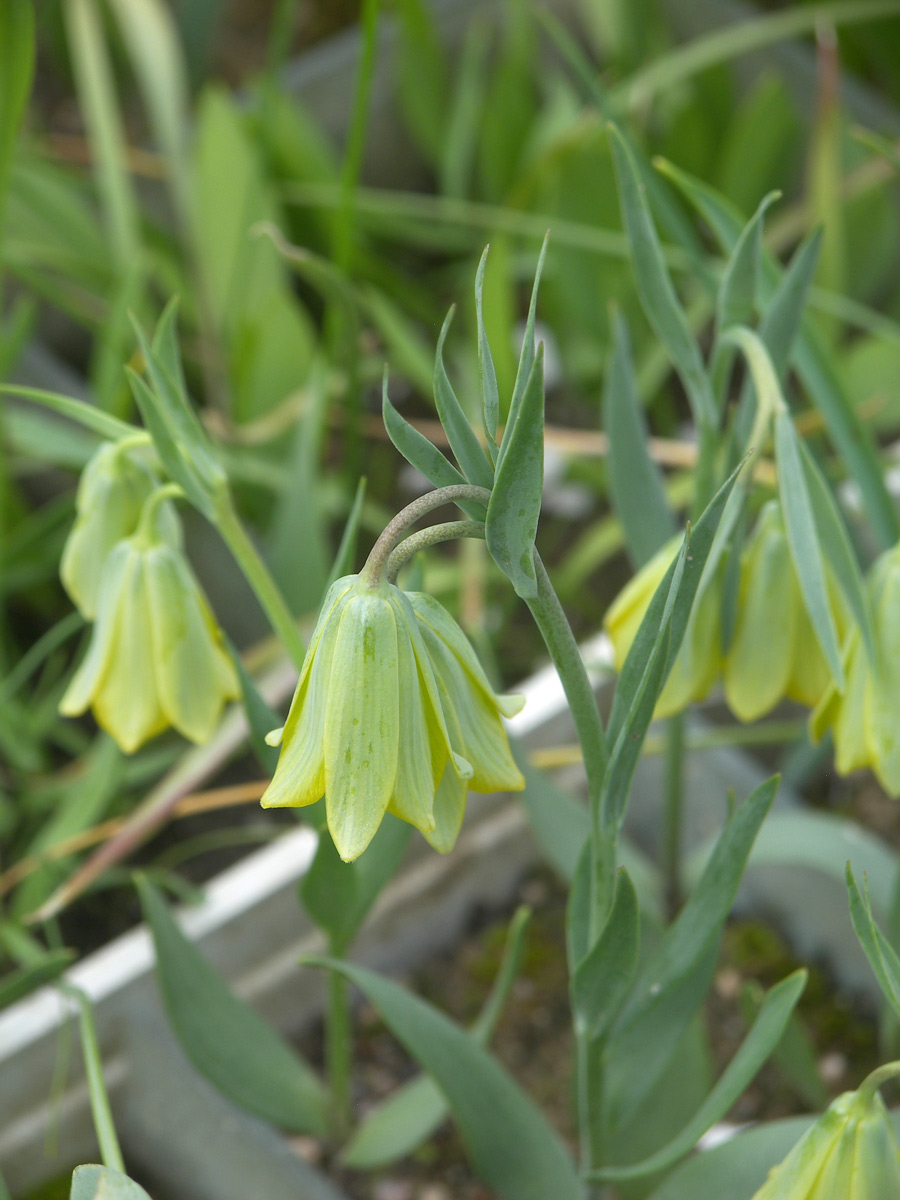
(126, 702)
(761, 656)
(414, 789)
(300, 774)
(86, 680)
(362, 723)
(449, 810)
(194, 674)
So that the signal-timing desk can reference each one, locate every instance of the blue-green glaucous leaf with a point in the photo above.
(490, 394)
(878, 950)
(515, 503)
(736, 301)
(93, 1182)
(635, 484)
(463, 442)
(181, 442)
(804, 542)
(673, 982)
(422, 454)
(764, 1036)
(601, 980)
(526, 357)
(238, 1052)
(512, 1146)
(658, 296)
(415, 1110)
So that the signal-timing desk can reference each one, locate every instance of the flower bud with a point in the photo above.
(156, 656)
(850, 1153)
(111, 492)
(699, 658)
(863, 718)
(392, 713)
(774, 652)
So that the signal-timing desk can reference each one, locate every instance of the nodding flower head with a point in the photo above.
(156, 656)
(392, 713)
(774, 653)
(849, 1153)
(863, 718)
(114, 485)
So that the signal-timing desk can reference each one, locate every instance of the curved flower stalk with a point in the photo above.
(774, 653)
(392, 713)
(863, 718)
(850, 1152)
(699, 661)
(118, 479)
(156, 656)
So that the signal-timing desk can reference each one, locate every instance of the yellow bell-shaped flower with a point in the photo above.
(156, 656)
(699, 658)
(114, 485)
(850, 1153)
(774, 653)
(863, 718)
(392, 713)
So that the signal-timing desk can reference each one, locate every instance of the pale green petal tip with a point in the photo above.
(274, 738)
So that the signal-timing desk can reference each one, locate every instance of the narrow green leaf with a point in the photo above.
(836, 546)
(225, 1040)
(346, 551)
(463, 442)
(803, 540)
(93, 1182)
(878, 950)
(16, 75)
(413, 1112)
(782, 319)
(490, 395)
(33, 975)
(658, 296)
(736, 301)
(515, 504)
(99, 106)
(762, 1039)
(814, 366)
(795, 1055)
(526, 358)
(701, 541)
(578, 910)
(603, 977)
(422, 454)
(338, 895)
(511, 1145)
(635, 483)
(76, 410)
(166, 444)
(675, 978)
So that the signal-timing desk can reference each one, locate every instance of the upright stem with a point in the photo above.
(264, 586)
(672, 816)
(560, 641)
(338, 1052)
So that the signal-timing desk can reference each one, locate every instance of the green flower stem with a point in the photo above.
(104, 1127)
(877, 1078)
(672, 817)
(338, 1052)
(377, 562)
(411, 546)
(560, 641)
(257, 575)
